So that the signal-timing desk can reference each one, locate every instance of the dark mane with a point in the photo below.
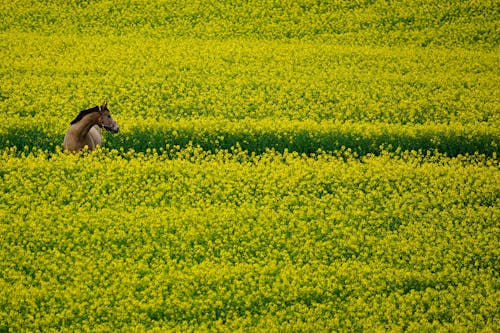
(84, 113)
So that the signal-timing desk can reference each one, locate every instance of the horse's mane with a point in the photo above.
(84, 113)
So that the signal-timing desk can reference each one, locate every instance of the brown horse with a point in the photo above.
(84, 129)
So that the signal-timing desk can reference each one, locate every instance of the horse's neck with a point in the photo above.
(82, 127)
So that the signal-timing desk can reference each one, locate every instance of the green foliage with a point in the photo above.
(257, 136)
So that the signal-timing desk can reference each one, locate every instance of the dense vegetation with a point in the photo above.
(281, 166)
(228, 240)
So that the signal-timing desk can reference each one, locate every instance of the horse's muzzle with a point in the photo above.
(113, 129)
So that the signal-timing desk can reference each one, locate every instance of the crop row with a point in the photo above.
(421, 23)
(55, 77)
(230, 241)
(257, 136)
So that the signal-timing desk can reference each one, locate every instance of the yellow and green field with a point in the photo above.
(283, 166)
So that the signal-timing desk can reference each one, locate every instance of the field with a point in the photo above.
(280, 166)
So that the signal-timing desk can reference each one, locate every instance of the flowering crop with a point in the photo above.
(423, 23)
(281, 166)
(235, 240)
(431, 99)
(152, 81)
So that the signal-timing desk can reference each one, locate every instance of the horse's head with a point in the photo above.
(105, 119)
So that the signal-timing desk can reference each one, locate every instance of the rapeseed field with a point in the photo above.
(281, 166)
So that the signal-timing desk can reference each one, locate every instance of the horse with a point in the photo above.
(84, 129)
